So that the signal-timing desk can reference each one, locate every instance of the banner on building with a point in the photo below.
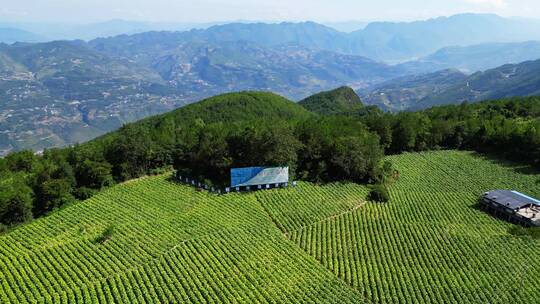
(254, 176)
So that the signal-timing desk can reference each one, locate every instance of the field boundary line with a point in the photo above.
(287, 239)
(326, 219)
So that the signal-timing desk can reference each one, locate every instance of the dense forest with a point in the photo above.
(208, 138)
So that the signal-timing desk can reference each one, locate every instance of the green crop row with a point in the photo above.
(170, 243)
(430, 243)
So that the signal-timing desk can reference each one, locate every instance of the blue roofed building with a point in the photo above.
(257, 176)
(514, 206)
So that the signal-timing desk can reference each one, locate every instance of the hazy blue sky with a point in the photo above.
(270, 10)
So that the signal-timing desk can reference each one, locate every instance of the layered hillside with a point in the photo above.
(61, 93)
(454, 87)
(406, 92)
(480, 57)
(385, 41)
(507, 81)
(203, 68)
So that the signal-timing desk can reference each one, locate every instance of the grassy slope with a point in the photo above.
(429, 245)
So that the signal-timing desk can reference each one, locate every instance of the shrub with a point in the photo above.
(15, 201)
(160, 170)
(84, 193)
(379, 193)
(106, 235)
(3, 228)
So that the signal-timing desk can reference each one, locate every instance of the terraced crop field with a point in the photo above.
(430, 244)
(309, 244)
(171, 244)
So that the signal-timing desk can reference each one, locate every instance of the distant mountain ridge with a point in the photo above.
(60, 93)
(454, 87)
(12, 35)
(291, 71)
(194, 63)
(474, 58)
(305, 34)
(383, 41)
(391, 42)
(409, 40)
(109, 28)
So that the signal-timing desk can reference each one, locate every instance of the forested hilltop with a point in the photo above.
(206, 139)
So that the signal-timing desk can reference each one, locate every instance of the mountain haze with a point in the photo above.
(409, 40)
(383, 41)
(481, 57)
(12, 35)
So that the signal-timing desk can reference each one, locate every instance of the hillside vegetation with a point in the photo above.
(324, 244)
(342, 100)
(203, 140)
(207, 139)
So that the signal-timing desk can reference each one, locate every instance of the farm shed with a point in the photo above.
(514, 205)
